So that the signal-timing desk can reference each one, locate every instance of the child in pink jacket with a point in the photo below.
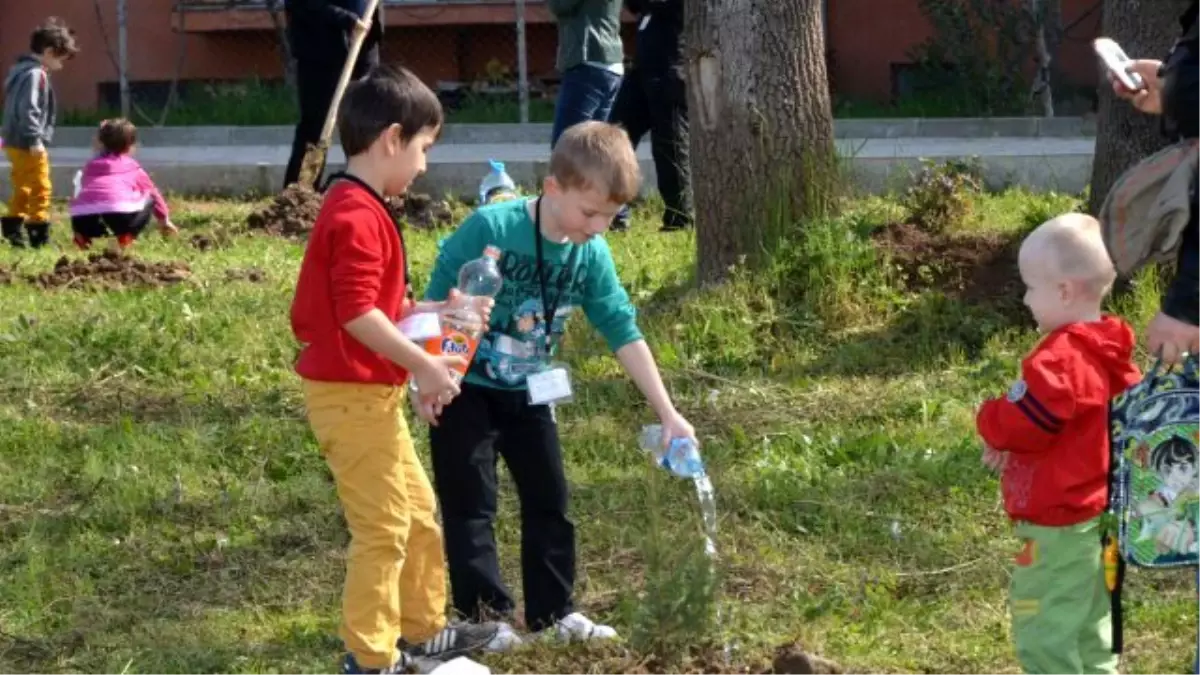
(115, 195)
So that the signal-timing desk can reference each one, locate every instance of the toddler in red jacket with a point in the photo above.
(1049, 439)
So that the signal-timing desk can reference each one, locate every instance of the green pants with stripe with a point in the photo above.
(1061, 611)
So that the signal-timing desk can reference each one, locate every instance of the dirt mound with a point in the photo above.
(110, 270)
(209, 242)
(789, 659)
(291, 213)
(793, 659)
(254, 275)
(421, 211)
(974, 267)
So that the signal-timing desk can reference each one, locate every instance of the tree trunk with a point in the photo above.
(1047, 17)
(762, 152)
(1145, 29)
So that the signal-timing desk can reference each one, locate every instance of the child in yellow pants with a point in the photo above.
(352, 289)
(27, 128)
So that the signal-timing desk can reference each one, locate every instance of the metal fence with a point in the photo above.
(229, 62)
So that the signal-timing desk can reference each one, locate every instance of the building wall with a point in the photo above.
(868, 36)
(865, 36)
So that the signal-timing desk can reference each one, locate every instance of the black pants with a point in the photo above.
(112, 224)
(481, 424)
(315, 81)
(655, 101)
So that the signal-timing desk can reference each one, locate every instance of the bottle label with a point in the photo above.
(455, 343)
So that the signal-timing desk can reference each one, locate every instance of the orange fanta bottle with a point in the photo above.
(463, 327)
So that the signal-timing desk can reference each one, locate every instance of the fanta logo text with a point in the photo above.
(456, 344)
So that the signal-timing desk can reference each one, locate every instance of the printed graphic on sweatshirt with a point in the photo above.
(509, 352)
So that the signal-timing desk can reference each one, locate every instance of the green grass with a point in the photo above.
(163, 507)
(254, 103)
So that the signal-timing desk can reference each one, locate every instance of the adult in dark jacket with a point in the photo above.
(1173, 91)
(320, 32)
(653, 98)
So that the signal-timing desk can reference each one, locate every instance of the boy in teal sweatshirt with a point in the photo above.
(553, 261)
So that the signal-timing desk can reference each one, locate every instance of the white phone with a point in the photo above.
(1118, 63)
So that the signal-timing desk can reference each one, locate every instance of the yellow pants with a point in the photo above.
(395, 569)
(30, 185)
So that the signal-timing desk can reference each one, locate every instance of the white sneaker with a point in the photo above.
(578, 628)
(506, 639)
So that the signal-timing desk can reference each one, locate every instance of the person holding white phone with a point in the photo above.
(1170, 90)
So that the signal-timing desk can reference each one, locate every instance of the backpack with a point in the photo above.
(1155, 472)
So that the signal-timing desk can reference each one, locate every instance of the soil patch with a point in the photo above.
(977, 268)
(254, 275)
(789, 659)
(110, 270)
(421, 211)
(291, 213)
(209, 242)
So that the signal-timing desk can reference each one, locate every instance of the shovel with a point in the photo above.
(314, 155)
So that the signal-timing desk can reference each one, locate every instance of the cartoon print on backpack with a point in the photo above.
(1156, 470)
(1167, 516)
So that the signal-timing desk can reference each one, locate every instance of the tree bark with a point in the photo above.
(762, 151)
(1145, 29)
(1047, 17)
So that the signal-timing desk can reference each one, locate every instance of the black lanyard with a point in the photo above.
(342, 175)
(548, 308)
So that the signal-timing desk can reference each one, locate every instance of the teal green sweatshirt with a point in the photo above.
(509, 350)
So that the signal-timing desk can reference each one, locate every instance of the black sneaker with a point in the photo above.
(453, 641)
(11, 228)
(39, 234)
(402, 665)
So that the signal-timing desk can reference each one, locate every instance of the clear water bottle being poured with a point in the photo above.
(681, 456)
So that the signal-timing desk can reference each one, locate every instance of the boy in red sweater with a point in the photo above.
(1049, 438)
(352, 289)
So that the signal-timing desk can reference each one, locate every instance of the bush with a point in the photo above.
(943, 194)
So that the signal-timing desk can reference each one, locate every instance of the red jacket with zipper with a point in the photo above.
(1054, 423)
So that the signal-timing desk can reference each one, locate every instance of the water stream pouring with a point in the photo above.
(682, 458)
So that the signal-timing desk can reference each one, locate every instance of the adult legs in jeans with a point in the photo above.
(477, 425)
(656, 102)
(586, 93)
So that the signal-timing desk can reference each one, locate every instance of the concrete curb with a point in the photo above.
(876, 165)
(994, 127)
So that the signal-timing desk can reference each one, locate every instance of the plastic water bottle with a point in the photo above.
(681, 457)
(462, 328)
(78, 182)
(497, 185)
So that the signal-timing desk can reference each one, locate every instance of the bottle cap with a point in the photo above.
(492, 252)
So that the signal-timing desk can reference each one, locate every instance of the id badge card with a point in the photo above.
(550, 386)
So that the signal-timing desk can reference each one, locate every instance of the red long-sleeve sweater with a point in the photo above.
(1054, 423)
(354, 262)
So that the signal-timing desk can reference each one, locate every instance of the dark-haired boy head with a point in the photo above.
(387, 122)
